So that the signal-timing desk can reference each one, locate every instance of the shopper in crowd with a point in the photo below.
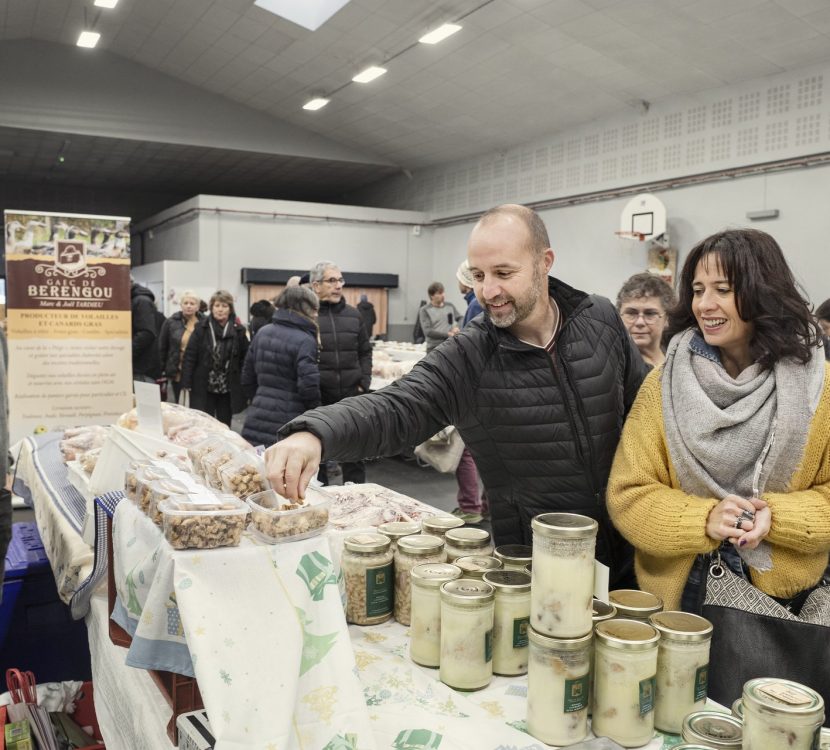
(538, 389)
(280, 374)
(212, 365)
(643, 302)
(145, 329)
(345, 352)
(438, 318)
(174, 337)
(262, 313)
(823, 316)
(472, 506)
(367, 314)
(728, 445)
(5, 492)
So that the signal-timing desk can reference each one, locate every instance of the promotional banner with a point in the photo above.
(68, 313)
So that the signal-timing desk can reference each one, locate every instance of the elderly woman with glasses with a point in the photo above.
(643, 304)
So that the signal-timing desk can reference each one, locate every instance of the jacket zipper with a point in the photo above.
(336, 356)
(591, 467)
(581, 454)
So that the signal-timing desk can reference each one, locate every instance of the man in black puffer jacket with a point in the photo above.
(539, 389)
(145, 328)
(345, 351)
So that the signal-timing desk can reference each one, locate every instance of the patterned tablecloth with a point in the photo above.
(262, 629)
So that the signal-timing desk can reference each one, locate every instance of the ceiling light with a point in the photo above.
(314, 104)
(106, 3)
(88, 39)
(372, 72)
(440, 34)
(310, 14)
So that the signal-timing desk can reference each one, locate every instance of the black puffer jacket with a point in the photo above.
(542, 429)
(280, 375)
(170, 343)
(345, 352)
(145, 332)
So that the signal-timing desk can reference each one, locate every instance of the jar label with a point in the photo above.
(786, 694)
(647, 690)
(488, 646)
(520, 626)
(379, 591)
(701, 682)
(576, 694)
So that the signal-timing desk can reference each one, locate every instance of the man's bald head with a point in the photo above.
(537, 234)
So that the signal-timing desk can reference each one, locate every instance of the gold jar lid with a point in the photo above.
(514, 554)
(602, 611)
(564, 526)
(475, 566)
(559, 644)
(783, 697)
(420, 544)
(682, 626)
(508, 581)
(714, 729)
(439, 525)
(639, 605)
(627, 635)
(467, 537)
(367, 543)
(465, 592)
(432, 575)
(397, 529)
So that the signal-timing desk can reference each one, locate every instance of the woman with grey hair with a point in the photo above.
(280, 374)
(643, 303)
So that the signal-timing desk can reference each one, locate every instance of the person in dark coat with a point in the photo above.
(262, 313)
(367, 314)
(823, 316)
(146, 365)
(538, 388)
(212, 365)
(175, 336)
(345, 351)
(280, 374)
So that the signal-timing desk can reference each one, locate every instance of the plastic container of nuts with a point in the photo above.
(276, 519)
(215, 460)
(244, 475)
(198, 451)
(203, 525)
(131, 477)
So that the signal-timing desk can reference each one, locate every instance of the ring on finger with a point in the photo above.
(748, 515)
(739, 522)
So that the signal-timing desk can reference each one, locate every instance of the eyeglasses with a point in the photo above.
(334, 281)
(649, 316)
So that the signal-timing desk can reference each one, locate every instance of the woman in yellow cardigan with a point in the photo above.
(728, 443)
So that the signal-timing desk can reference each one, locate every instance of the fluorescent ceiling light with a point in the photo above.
(314, 104)
(310, 14)
(440, 34)
(106, 3)
(372, 72)
(88, 39)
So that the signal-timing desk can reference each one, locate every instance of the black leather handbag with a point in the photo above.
(756, 636)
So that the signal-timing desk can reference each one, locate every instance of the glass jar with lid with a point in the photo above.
(425, 625)
(412, 550)
(475, 566)
(682, 667)
(557, 688)
(511, 620)
(712, 729)
(632, 604)
(440, 525)
(397, 529)
(600, 612)
(467, 540)
(781, 713)
(514, 556)
(625, 657)
(563, 574)
(466, 634)
(369, 578)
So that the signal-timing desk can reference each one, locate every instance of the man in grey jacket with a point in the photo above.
(439, 319)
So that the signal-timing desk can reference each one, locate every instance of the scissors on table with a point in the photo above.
(22, 686)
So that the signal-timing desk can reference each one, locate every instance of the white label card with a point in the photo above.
(148, 408)
(601, 578)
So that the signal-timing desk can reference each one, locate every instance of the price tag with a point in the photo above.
(786, 694)
(148, 408)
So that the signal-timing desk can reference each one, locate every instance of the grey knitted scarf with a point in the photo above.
(718, 428)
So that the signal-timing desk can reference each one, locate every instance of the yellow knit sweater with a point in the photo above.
(668, 527)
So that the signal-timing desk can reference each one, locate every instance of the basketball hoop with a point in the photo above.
(634, 236)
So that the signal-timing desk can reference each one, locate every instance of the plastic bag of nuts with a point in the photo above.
(203, 523)
(214, 461)
(244, 475)
(198, 451)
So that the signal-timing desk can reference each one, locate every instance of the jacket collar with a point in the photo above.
(698, 345)
(295, 320)
(333, 306)
(470, 296)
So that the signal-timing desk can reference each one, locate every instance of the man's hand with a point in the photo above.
(291, 463)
